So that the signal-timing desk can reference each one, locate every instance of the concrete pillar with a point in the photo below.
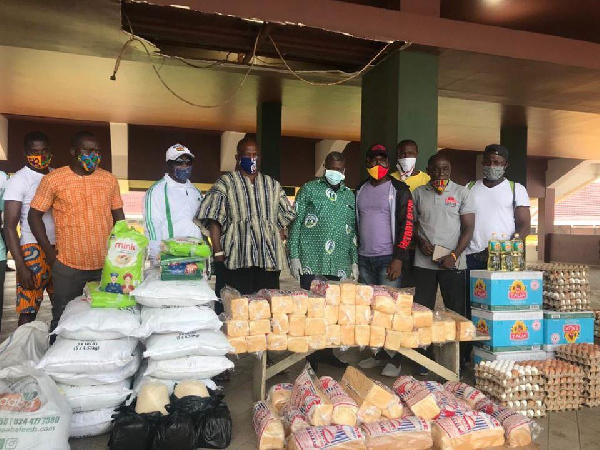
(545, 224)
(400, 101)
(268, 134)
(3, 138)
(567, 175)
(229, 141)
(119, 148)
(324, 148)
(514, 137)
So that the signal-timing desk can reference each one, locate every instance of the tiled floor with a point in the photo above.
(575, 430)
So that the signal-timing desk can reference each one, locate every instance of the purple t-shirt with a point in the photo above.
(375, 223)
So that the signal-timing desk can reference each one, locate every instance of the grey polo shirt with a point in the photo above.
(439, 218)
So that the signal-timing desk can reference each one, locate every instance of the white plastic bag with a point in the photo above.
(96, 378)
(81, 321)
(192, 367)
(28, 342)
(156, 293)
(178, 319)
(91, 423)
(89, 398)
(177, 345)
(33, 413)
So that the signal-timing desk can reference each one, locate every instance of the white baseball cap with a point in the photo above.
(177, 150)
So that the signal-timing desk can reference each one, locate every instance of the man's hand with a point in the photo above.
(447, 262)
(394, 270)
(50, 256)
(295, 268)
(25, 277)
(355, 272)
(220, 258)
(425, 246)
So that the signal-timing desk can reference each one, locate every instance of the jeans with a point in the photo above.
(373, 270)
(2, 275)
(68, 284)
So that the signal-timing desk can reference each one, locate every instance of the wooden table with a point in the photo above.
(447, 365)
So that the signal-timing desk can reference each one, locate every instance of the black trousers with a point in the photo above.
(305, 280)
(247, 280)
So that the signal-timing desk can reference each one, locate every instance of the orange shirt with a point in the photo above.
(82, 208)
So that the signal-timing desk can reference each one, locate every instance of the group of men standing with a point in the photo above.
(402, 227)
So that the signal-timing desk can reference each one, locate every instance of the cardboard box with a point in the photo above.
(568, 328)
(506, 291)
(480, 354)
(509, 330)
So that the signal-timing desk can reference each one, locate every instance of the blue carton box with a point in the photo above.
(568, 328)
(506, 291)
(509, 331)
(480, 355)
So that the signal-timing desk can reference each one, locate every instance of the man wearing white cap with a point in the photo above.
(171, 203)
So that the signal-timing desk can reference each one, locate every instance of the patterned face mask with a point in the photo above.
(378, 172)
(39, 162)
(439, 185)
(90, 161)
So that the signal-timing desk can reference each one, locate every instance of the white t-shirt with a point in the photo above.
(494, 212)
(21, 187)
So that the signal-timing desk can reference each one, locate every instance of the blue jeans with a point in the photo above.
(372, 270)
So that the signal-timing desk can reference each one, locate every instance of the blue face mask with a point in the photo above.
(248, 164)
(334, 177)
(182, 173)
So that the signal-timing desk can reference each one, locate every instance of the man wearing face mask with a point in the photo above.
(171, 204)
(384, 221)
(323, 236)
(501, 206)
(246, 212)
(33, 272)
(407, 153)
(86, 202)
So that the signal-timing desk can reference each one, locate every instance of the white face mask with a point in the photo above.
(406, 166)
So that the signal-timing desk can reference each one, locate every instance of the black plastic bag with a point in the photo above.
(132, 431)
(214, 426)
(175, 431)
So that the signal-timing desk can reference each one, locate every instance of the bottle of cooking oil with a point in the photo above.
(506, 261)
(493, 253)
(518, 253)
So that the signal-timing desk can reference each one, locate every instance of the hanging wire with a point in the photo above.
(345, 80)
(134, 38)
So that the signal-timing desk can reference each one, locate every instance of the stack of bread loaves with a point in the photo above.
(92, 361)
(587, 357)
(513, 385)
(336, 314)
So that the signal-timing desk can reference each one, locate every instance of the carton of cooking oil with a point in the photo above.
(506, 291)
(509, 330)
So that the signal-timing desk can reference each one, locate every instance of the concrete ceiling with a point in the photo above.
(61, 68)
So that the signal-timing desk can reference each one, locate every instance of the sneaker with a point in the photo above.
(391, 370)
(423, 371)
(370, 363)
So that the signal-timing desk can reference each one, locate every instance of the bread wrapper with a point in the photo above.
(268, 427)
(382, 300)
(331, 314)
(277, 342)
(377, 339)
(363, 314)
(465, 328)
(316, 306)
(279, 395)
(382, 319)
(280, 324)
(234, 304)
(392, 340)
(293, 419)
(308, 397)
(260, 326)
(403, 322)
(333, 336)
(281, 301)
(237, 328)
(348, 292)
(258, 308)
(297, 324)
(317, 342)
(364, 295)
(517, 427)
(438, 331)
(239, 344)
(362, 335)
(298, 344)
(403, 299)
(328, 289)
(367, 389)
(425, 336)
(299, 302)
(417, 397)
(347, 335)
(398, 434)
(346, 314)
(468, 393)
(422, 316)
(257, 343)
(315, 326)
(345, 409)
(471, 430)
(410, 339)
(334, 437)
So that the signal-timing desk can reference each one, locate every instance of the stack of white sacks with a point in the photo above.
(93, 361)
(184, 341)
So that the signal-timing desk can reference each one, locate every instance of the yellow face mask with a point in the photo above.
(39, 162)
(378, 172)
